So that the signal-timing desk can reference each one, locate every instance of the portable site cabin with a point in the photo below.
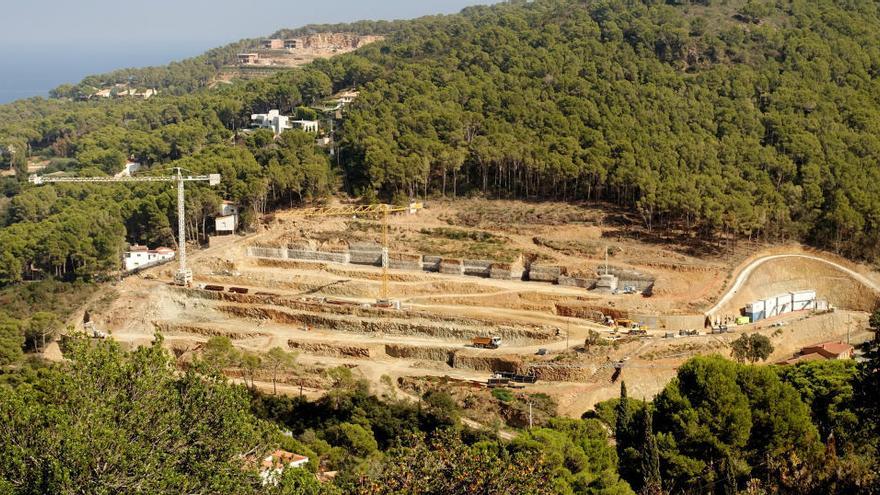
(781, 304)
(803, 300)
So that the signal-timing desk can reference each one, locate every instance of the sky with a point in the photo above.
(50, 42)
(208, 23)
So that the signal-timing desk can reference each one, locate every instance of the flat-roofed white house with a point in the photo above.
(141, 256)
(272, 120)
(306, 125)
(227, 221)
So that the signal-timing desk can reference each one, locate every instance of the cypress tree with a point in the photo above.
(624, 418)
(652, 483)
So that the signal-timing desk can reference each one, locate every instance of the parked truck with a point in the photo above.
(486, 342)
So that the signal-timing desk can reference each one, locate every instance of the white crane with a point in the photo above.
(183, 275)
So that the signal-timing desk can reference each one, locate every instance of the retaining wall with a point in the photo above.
(308, 255)
(266, 252)
(479, 268)
(330, 350)
(584, 283)
(546, 273)
(403, 351)
(404, 261)
(451, 266)
(431, 263)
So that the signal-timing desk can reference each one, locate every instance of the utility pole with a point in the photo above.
(183, 275)
(530, 415)
(606, 260)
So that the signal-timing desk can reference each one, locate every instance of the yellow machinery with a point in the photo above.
(368, 210)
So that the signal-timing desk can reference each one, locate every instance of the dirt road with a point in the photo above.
(744, 274)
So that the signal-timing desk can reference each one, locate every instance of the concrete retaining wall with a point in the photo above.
(583, 283)
(431, 263)
(366, 253)
(266, 252)
(404, 261)
(306, 255)
(500, 271)
(451, 266)
(642, 282)
(546, 273)
(479, 268)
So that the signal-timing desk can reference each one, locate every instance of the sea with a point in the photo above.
(34, 71)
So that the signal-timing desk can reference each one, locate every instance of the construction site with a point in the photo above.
(561, 299)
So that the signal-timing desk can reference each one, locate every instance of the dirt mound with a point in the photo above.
(551, 372)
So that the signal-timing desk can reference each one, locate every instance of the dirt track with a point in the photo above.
(747, 271)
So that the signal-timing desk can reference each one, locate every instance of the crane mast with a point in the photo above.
(184, 274)
(381, 210)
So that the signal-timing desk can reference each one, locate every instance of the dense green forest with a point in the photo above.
(745, 120)
(114, 421)
(716, 119)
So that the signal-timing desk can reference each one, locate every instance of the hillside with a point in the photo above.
(720, 121)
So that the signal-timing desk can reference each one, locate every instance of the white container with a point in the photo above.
(783, 303)
(770, 307)
(755, 307)
(804, 295)
(803, 305)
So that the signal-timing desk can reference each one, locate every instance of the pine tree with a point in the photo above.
(653, 484)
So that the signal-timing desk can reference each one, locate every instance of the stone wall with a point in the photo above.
(308, 255)
(330, 350)
(403, 351)
(365, 253)
(583, 283)
(404, 261)
(478, 268)
(546, 273)
(501, 271)
(451, 266)
(431, 263)
(266, 252)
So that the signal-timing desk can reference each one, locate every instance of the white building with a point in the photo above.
(275, 463)
(227, 221)
(272, 120)
(130, 168)
(141, 256)
(306, 125)
(781, 304)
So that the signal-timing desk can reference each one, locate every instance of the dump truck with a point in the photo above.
(486, 342)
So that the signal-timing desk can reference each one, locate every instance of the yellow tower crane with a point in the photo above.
(381, 210)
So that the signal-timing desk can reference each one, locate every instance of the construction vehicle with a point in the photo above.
(183, 276)
(381, 210)
(517, 377)
(624, 323)
(486, 342)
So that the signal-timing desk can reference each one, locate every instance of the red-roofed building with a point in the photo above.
(830, 350)
(822, 352)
